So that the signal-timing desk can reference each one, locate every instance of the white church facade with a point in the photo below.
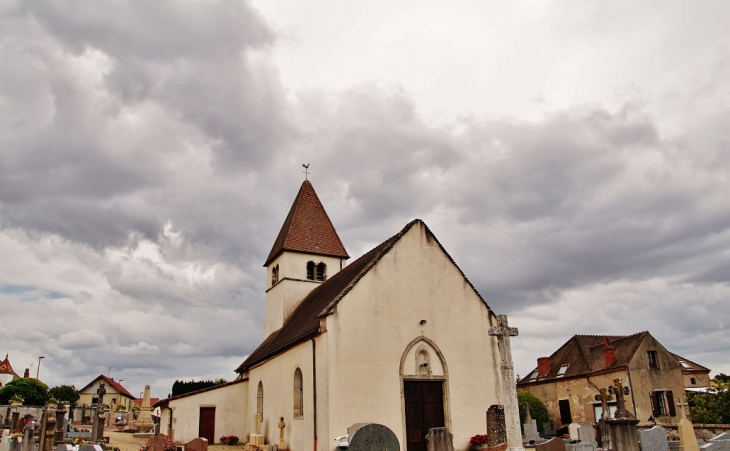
(398, 337)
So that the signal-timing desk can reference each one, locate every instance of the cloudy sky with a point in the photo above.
(572, 156)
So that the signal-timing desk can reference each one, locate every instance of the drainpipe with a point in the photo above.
(631, 390)
(314, 390)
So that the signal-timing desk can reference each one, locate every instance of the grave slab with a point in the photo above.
(554, 444)
(496, 426)
(88, 447)
(720, 445)
(64, 447)
(374, 436)
(654, 439)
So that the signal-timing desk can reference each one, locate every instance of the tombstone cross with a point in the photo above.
(509, 388)
(619, 390)
(282, 425)
(604, 397)
(682, 405)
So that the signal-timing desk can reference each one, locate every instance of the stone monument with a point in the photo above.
(496, 429)
(255, 440)
(530, 426)
(282, 444)
(654, 439)
(687, 438)
(374, 436)
(144, 421)
(554, 444)
(509, 385)
(621, 430)
(439, 439)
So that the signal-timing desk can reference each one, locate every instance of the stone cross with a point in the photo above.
(282, 425)
(604, 397)
(620, 391)
(509, 386)
(682, 405)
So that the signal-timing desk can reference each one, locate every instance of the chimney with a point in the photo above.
(27, 373)
(609, 353)
(543, 366)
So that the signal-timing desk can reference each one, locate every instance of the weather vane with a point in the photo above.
(306, 173)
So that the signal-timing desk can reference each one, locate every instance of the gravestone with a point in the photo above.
(28, 443)
(530, 426)
(548, 428)
(90, 447)
(654, 439)
(720, 445)
(374, 437)
(281, 445)
(496, 428)
(64, 447)
(197, 444)
(687, 438)
(439, 439)
(573, 430)
(587, 434)
(722, 437)
(554, 444)
(156, 443)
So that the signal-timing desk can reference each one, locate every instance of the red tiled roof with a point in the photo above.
(584, 355)
(153, 401)
(307, 228)
(303, 323)
(7, 368)
(110, 382)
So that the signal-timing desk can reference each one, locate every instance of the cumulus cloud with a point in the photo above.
(151, 153)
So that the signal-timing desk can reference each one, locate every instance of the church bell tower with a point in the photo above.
(306, 252)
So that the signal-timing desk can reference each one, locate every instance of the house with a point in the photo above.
(696, 377)
(115, 395)
(7, 373)
(569, 380)
(398, 337)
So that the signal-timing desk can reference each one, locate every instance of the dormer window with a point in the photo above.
(533, 376)
(562, 370)
(316, 272)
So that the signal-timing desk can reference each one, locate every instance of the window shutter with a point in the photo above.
(654, 404)
(670, 401)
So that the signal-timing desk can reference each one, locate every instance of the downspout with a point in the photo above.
(631, 390)
(314, 390)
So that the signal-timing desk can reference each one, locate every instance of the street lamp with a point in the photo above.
(38, 372)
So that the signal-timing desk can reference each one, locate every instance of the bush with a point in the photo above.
(33, 394)
(538, 411)
(66, 393)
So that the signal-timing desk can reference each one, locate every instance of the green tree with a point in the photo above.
(66, 393)
(538, 411)
(33, 394)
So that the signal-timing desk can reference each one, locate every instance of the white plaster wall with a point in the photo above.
(277, 376)
(377, 320)
(230, 412)
(283, 298)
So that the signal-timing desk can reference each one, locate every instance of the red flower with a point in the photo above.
(478, 439)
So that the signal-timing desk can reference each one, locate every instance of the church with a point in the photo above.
(398, 337)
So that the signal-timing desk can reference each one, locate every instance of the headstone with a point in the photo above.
(28, 443)
(64, 447)
(47, 433)
(90, 447)
(531, 431)
(554, 444)
(509, 385)
(156, 443)
(197, 444)
(439, 439)
(496, 429)
(548, 428)
(721, 445)
(654, 439)
(374, 437)
(687, 438)
(255, 439)
(573, 430)
(580, 446)
(722, 437)
(587, 434)
(352, 429)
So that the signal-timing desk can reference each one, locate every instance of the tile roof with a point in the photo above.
(110, 382)
(584, 355)
(307, 228)
(304, 321)
(7, 368)
(689, 366)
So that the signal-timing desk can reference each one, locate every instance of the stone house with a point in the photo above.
(398, 337)
(569, 380)
(696, 377)
(115, 395)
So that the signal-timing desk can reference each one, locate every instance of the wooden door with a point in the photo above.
(206, 429)
(424, 402)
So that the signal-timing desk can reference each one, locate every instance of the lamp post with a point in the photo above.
(38, 370)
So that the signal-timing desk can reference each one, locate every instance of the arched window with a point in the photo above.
(321, 271)
(274, 275)
(260, 401)
(298, 394)
(310, 270)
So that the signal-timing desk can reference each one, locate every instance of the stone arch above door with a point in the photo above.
(419, 351)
